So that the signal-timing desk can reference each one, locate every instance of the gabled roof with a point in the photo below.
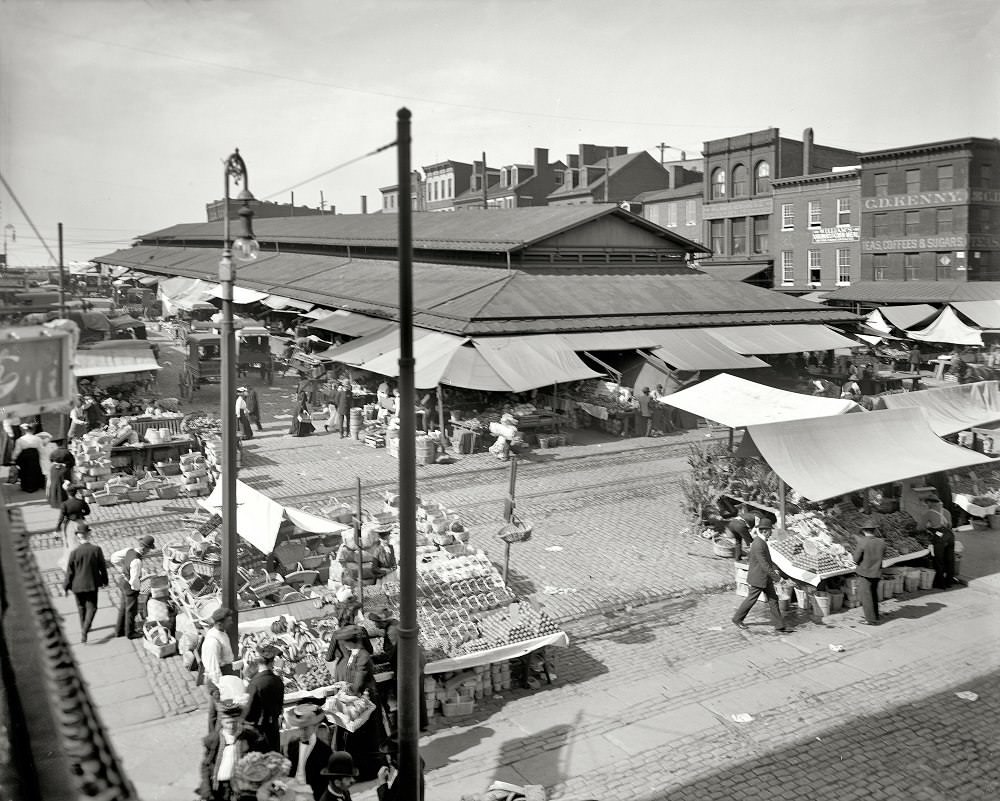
(469, 300)
(614, 164)
(486, 230)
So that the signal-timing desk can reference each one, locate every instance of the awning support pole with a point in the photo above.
(732, 431)
(357, 544)
(781, 502)
(508, 511)
(441, 421)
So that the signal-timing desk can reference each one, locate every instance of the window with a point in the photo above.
(762, 178)
(843, 211)
(912, 182)
(985, 174)
(760, 230)
(843, 265)
(691, 212)
(881, 184)
(815, 267)
(787, 268)
(880, 225)
(944, 221)
(451, 190)
(911, 265)
(815, 214)
(671, 215)
(740, 176)
(739, 237)
(559, 178)
(718, 184)
(911, 223)
(983, 220)
(944, 270)
(787, 216)
(718, 237)
(946, 177)
(880, 266)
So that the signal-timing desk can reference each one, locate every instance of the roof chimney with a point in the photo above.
(364, 204)
(684, 156)
(807, 146)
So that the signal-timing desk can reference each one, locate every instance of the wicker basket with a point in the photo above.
(106, 498)
(138, 495)
(168, 468)
(516, 530)
(168, 492)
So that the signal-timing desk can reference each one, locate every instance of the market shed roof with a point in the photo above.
(468, 300)
(916, 291)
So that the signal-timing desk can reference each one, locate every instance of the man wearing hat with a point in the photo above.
(868, 557)
(389, 625)
(308, 751)
(340, 774)
(266, 698)
(387, 788)
(224, 747)
(129, 562)
(217, 660)
(86, 573)
(759, 579)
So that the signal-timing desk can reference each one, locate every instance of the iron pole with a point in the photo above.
(408, 666)
(62, 270)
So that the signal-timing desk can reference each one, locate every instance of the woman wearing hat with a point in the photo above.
(243, 413)
(61, 464)
(389, 625)
(355, 669)
(308, 749)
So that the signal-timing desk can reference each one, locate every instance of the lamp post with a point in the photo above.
(244, 248)
(13, 238)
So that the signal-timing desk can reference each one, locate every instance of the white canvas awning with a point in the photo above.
(952, 408)
(281, 303)
(241, 295)
(947, 328)
(757, 340)
(736, 403)
(107, 361)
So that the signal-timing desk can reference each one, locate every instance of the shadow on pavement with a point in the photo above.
(912, 612)
(443, 750)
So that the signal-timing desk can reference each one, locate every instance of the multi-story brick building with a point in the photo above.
(517, 185)
(738, 203)
(815, 230)
(600, 174)
(678, 210)
(443, 183)
(931, 212)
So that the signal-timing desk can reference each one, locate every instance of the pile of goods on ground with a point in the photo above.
(203, 426)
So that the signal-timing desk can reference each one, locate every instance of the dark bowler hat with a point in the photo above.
(764, 523)
(339, 765)
(147, 541)
(381, 616)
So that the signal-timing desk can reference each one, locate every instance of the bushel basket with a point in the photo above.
(516, 530)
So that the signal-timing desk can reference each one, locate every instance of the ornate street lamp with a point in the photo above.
(244, 248)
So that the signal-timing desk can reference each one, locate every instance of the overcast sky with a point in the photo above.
(115, 117)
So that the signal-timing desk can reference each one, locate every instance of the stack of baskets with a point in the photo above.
(93, 463)
(194, 469)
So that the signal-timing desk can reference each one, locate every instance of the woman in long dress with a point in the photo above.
(28, 459)
(243, 414)
(302, 419)
(354, 668)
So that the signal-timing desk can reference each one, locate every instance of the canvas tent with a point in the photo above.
(953, 408)
(825, 457)
(947, 328)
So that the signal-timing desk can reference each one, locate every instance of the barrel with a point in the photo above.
(357, 421)
(426, 450)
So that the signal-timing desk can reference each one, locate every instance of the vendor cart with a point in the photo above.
(253, 352)
(202, 363)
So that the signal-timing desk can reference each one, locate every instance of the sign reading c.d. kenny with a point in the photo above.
(35, 371)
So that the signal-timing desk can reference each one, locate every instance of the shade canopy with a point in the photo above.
(241, 295)
(774, 339)
(350, 324)
(281, 303)
(530, 362)
(982, 313)
(112, 361)
(829, 456)
(258, 517)
(952, 408)
(697, 349)
(947, 328)
(736, 402)
(910, 316)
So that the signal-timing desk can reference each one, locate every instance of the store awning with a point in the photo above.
(983, 313)
(241, 295)
(530, 362)
(757, 340)
(106, 361)
(947, 328)
(348, 323)
(259, 517)
(281, 303)
(905, 317)
(877, 322)
(149, 280)
(693, 349)
(736, 403)
(952, 408)
(829, 456)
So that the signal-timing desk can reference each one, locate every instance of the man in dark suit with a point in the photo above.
(308, 750)
(868, 557)
(759, 570)
(86, 573)
(266, 698)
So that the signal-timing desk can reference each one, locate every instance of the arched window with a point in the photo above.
(740, 182)
(718, 184)
(762, 178)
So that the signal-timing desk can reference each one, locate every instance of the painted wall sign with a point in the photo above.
(916, 200)
(840, 233)
(737, 208)
(914, 243)
(35, 371)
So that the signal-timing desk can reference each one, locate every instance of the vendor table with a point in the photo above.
(541, 419)
(144, 456)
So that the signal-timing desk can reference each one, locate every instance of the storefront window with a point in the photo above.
(739, 240)
(760, 231)
(911, 266)
(718, 237)
(843, 265)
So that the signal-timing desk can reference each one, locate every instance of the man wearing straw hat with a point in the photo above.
(308, 751)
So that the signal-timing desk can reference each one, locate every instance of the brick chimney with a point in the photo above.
(807, 147)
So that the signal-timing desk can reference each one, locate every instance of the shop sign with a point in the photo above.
(737, 208)
(35, 374)
(916, 200)
(984, 242)
(986, 195)
(915, 243)
(840, 233)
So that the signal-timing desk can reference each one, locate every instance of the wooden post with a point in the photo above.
(781, 503)
(357, 542)
(441, 422)
(508, 511)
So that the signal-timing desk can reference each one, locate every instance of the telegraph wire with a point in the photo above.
(347, 163)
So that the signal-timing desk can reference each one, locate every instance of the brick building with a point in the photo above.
(815, 230)
(516, 185)
(443, 183)
(600, 174)
(931, 212)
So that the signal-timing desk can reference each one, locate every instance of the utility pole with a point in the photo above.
(661, 147)
(322, 201)
(486, 202)
(607, 177)
(62, 274)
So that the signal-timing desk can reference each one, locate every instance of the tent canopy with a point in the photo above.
(952, 408)
(775, 339)
(905, 317)
(241, 295)
(736, 402)
(947, 328)
(351, 324)
(696, 349)
(280, 302)
(114, 361)
(829, 456)
(259, 517)
(983, 313)
(530, 362)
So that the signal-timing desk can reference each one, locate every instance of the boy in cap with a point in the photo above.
(760, 580)
(868, 557)
(340, 774)
(129, 562)
(217, 660)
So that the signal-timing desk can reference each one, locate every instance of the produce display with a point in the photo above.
(301, 646)
(349, 711)
(202, 425)
(983, 479)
